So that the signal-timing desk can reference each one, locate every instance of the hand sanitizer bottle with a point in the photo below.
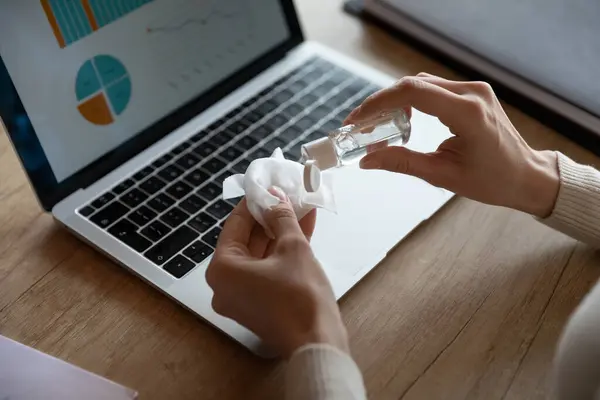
(349, 144)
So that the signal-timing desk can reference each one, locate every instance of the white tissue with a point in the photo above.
(265, 173)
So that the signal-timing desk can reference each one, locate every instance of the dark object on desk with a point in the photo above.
(536, 56)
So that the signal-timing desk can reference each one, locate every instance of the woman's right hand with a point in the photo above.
(486, 159)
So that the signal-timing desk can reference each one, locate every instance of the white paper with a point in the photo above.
(276, 171)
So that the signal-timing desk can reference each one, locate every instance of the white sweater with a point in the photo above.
(321, 372)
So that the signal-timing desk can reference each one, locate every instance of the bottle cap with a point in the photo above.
(322, 151)
(312, 176)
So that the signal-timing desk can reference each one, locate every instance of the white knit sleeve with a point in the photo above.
(322, 372)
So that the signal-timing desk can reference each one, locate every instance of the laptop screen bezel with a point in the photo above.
(25, 142)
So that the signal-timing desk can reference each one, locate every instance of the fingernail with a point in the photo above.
(279, 193)
(369, 163)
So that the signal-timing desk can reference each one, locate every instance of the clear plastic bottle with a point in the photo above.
(349, 144)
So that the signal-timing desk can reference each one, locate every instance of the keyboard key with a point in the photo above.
(241, 166)
(144, 173)
(283, 96)
(237, 128)
(292, 110)
(198, 136)
(330, 125)
(170, 173)
(213, 166)
(134, 198)
(179, 190)
(179, 266)
(290, 134)
(307, 100)
(230, 154)
(220, 139)
(198, 252)
(180, 149)
(110, 214)
(204, 150)
(202, 222)
(259, 133)
(87, 211)
(210, 191)
(295, 151)
(142, 216)
(276, 121)
(246, 142)
(274, 143)
(192, 204)
(188, 161)
(260, 153)
(156, 231)
(103, 200)
(174, 217)
(212, 237)
(235, 201)
(171, 245)
(222, 176)
(253, 117)
(152, 185)
(126, 232)
(162, 161)
(161, 202)
(197, 177)
(305, 124)
(315, 136)
(220, 209)
(123, 186)
(319, 113)
(266, 107)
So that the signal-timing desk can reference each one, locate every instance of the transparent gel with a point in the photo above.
(349, 144)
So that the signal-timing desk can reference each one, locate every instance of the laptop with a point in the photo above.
(128, 117)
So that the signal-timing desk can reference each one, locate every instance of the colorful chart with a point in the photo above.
(103, 89)
(72, 20)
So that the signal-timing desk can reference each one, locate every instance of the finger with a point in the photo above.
(281, 219)
(377, 146)
(308, 223)
(258, 243)
(405, 161)
(414, 92)
(238, 228)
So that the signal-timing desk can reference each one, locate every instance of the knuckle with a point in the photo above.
(282, 212)
(293, 245)
(409, 83)
(474, 107)
(482, 88)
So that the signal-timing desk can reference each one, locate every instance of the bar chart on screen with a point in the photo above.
(73, 20)
(190, 27)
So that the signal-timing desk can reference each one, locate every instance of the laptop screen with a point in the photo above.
(92, 74)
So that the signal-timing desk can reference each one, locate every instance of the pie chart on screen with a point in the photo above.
(103, 89)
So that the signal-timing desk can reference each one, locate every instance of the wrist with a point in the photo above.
(539, 184)
(326, 327)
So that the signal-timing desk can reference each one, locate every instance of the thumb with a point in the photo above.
(400, 160)
(281, 219)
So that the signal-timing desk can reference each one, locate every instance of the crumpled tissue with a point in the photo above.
(288, 175)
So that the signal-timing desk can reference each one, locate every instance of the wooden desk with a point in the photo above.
(469, 307)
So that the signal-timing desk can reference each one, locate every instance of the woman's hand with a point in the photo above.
(275, 288)
(486, 160)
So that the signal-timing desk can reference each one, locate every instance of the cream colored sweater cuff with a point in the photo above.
(322, 372)
(577, 209)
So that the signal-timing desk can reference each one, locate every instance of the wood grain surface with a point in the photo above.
(470, 306)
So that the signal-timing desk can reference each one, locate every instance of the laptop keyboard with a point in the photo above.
(172, 211)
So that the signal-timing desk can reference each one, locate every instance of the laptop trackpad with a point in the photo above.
(375, 211)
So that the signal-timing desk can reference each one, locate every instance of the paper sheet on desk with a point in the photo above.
(265, 173)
